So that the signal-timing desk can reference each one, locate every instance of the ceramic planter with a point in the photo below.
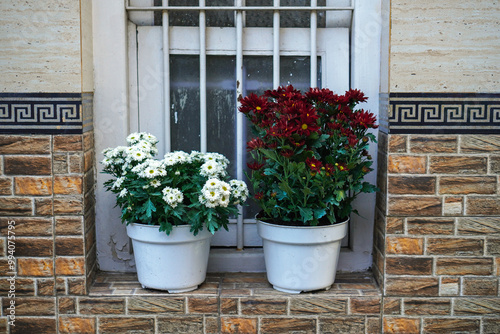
(301, 258)
(175, 262)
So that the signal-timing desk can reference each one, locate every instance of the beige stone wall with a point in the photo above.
(40, 46)
(445, 46)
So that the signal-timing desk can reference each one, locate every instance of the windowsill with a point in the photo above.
(234, 285)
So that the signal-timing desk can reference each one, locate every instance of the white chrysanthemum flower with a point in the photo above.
(118, 183)
(137, 155)
(149, 172)
(225, 188)
(155, 183)
(224, 201)
(172, 196)
(212, 169)
(133, 138)
(123, 193)
(212, 183)
(107, 162)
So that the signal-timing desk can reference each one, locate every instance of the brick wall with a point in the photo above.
(47, 193)
(437, 235)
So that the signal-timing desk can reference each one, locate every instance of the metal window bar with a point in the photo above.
(239, 8)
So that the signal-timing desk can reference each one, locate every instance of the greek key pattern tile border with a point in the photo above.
(46, 113)
(446, 113)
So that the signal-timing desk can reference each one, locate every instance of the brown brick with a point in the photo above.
(36, 186)
(433, 144)
(11, 144)
(184, 325)
(495, 164)
(68, 185)
(403, 245)
(392, 306)
(46, 287)
(67, 305)
(44, 206)
(68, 143)
(129, 325)
(23, 286)
(100, 306)
(318, 305)
(151, 305)
(416, 286)
(34, 247)
(397, 143)
(464, 266)
(27, 165)
(479, 226)
(491, 325)
(373, 325)
(12, 206)
(287, 325)
(76, 163)
(76, 325)
(451, 325)
(231, 325)
(77, 286)
(458, 165)
(497, 265)
(26, 325)
(88, 161)
(480, 286)
(427, 306)
(453, 206)
(477, 306)
(67, 246)
(203, 305)
(455, 246)
(401, 325)
(483, 206)
(5, 185)
(394, 225)
(365, 305)
(70, 266)
(69, 225)
(493, 246)
(228, 305)
(415, 206)
(68, 205)
(406, 164)
(480, 144)
(337, 324)
(430, 226)
(450, 286)
(412, 185)
(60, 163)
(35, 267)
(28, 226)
(462, 185)
(259, 305)
(408, 265)
(32, 306)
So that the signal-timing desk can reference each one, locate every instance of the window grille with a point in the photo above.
(272, 14)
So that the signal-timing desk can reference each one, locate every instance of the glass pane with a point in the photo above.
(288, 19)
(221, 100)
(221, 106)
(185, 99)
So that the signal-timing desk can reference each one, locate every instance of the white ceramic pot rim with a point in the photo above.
(302, 234)
(151, 233)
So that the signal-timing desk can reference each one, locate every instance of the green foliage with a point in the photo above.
(180, 189)
(310, 153)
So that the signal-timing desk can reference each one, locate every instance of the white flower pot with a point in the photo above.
(175, 262)
(301, 258)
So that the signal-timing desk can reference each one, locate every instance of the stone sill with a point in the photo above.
(234, 285)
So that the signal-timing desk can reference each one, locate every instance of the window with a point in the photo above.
(186, 93)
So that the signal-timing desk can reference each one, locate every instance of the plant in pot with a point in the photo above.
(310, 155)
(172, 207)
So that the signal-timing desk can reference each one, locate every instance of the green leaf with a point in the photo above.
(306, 214)
(149, 208)
(319, 213)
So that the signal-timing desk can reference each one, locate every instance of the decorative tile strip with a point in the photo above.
(45, 113)
(444, 113)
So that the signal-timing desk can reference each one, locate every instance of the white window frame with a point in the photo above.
(112, 110)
